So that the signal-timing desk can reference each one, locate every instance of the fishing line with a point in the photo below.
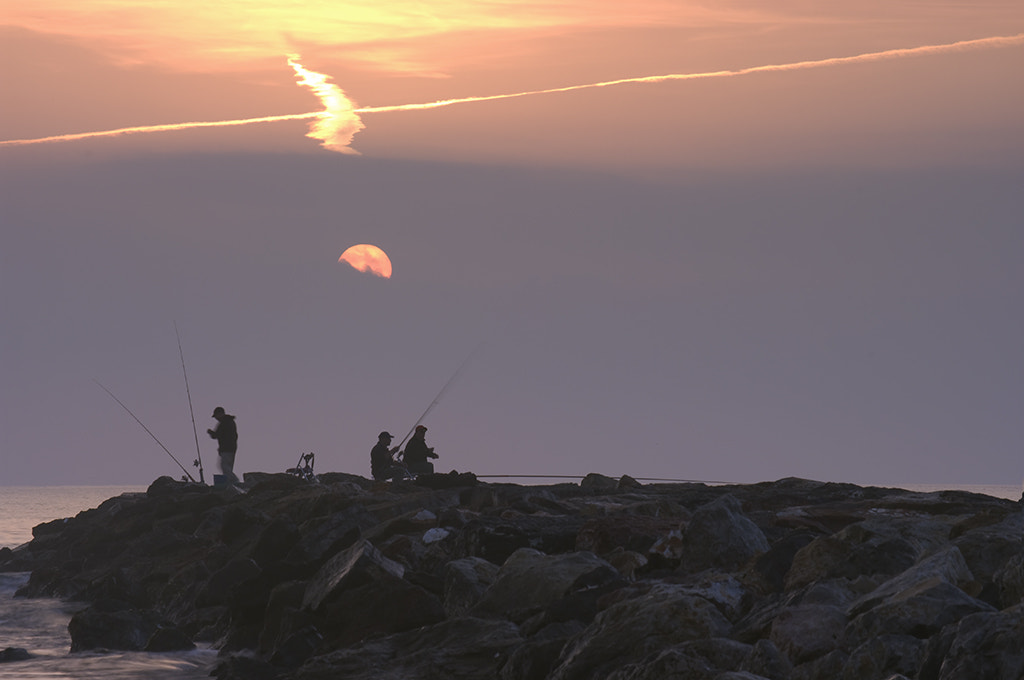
(187, 474)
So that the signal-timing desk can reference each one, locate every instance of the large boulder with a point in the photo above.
(720, 536)
(697, 660)
(946, 565)
(359, 564)
(465, 582)
(459, 649)
(806, 632)
(117, 625)
(878, 547)
(530, 580)
(629, 630)
(885, 656)
(983, 646)
(920, 610)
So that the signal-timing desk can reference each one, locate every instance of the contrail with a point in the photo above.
(159, 128)
(339, 121)
(1000, 41)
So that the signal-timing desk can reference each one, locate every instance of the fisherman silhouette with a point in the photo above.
(417, 452)
(382, 465)
(226, 434)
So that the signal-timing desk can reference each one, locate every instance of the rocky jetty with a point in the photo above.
(608, 579)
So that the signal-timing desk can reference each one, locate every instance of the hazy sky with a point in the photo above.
(799, 255)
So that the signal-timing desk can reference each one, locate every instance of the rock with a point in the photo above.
(885, 656)
(983, 646)
(465, 581)
(601, 535)
(806, 632)
(876, 546)
(116, 625)
(697, 660)
(720, 536)
(530, 580)
(242, 667)
(168, 639)
(1009, 582)
(767, 661)
(987, 549)
(354, 566)
(459, 649)
(386, 604)
(629, 630)
(786, 580)
(921, 610)
(598, 482)
(947, 566)
(14, 654)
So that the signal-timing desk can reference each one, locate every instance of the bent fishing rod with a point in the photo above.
(440, 394)
(187, 474)
(195, 433)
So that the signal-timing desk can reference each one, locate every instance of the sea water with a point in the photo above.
(40, 625)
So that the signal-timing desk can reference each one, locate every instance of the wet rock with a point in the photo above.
(116, 625)
(14, 654)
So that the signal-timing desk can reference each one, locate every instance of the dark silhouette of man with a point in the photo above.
(382, 465)
(417, 452)
(226, 434)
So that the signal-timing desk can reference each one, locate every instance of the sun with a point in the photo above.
(367, 258)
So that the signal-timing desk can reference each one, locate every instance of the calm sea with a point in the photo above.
(40, 626)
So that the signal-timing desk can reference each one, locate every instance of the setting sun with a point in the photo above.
(367, 258)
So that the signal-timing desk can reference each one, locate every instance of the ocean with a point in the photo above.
(40, 625)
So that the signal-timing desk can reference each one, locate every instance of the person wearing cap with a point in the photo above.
(417, 452)
(382, 465)
(226, 434)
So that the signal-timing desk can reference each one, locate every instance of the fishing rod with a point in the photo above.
(441, 393)
(195, 433)
(639, 479)
(187, 474)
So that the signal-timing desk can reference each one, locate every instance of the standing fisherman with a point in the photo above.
(226, 434)
(417, 452)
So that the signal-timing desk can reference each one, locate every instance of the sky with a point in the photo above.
(718, 242)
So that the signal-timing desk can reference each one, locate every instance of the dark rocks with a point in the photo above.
(610, 579)
(14, 654)
(110, 624)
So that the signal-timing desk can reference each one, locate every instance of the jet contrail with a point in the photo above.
(339, 121)
(999, 41)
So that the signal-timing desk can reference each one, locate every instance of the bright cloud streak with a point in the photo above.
(999, 41)
(337, 124)
(339, 121)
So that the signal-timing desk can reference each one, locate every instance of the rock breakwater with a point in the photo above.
(608, 579)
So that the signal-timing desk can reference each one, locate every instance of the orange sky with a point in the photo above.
(76, 66)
